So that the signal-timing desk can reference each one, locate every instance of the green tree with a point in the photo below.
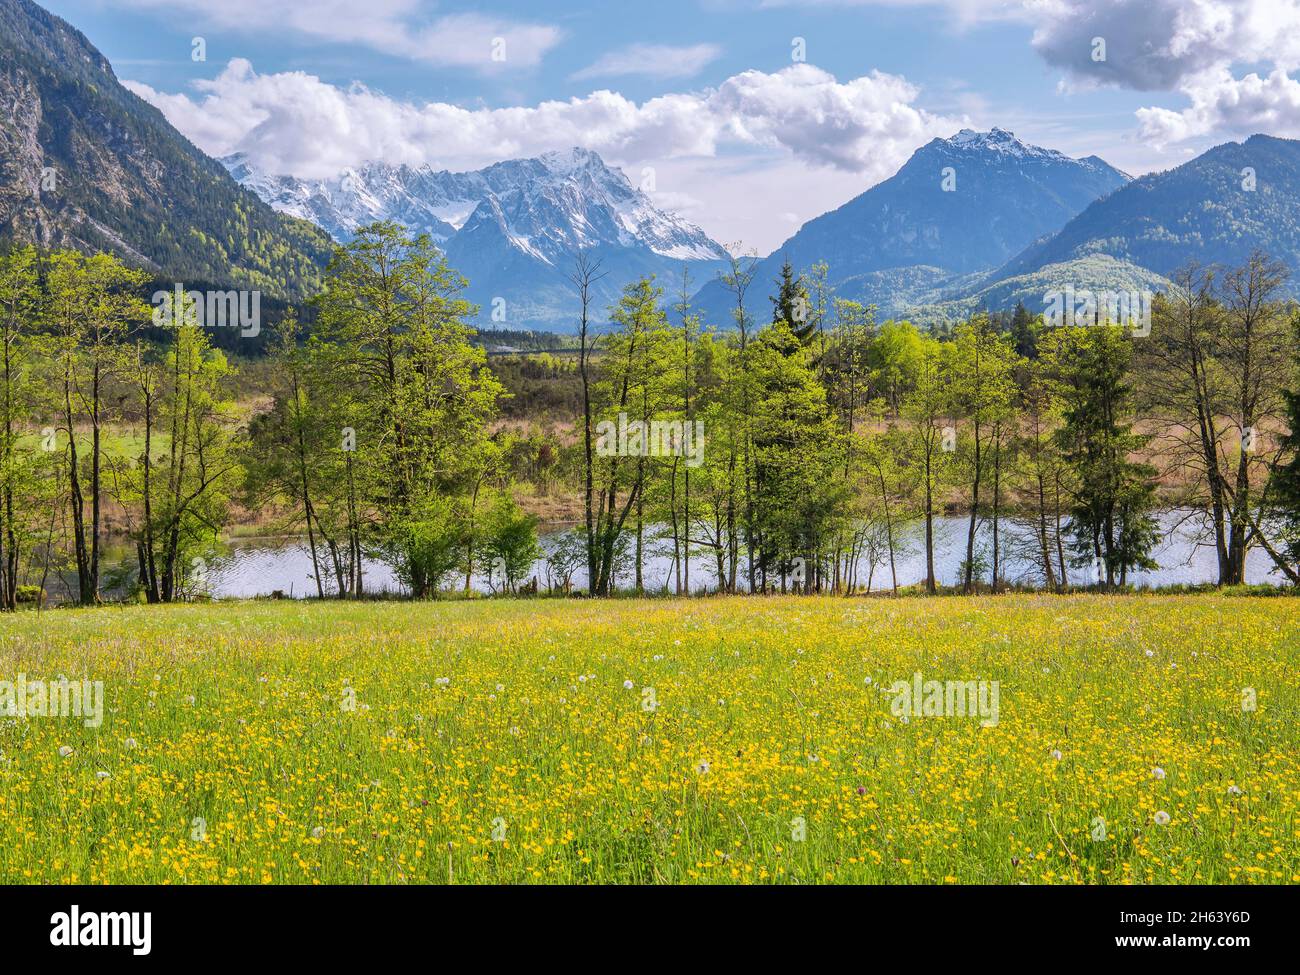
(93, 309)
(982, 391)
(791, 305)
(1111, 512)
(931, 437)
(399, 336)
(511, 541)
(798, 456)
(26, 455)
(895, 361)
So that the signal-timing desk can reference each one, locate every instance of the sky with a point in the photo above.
(748, 117)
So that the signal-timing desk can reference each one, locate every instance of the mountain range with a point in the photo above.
(512, 228)
(1020, 221)
(957, 207)
(977, 220)
(1214, 209)
(1217, 207)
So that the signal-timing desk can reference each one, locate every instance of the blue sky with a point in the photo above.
(709, 96)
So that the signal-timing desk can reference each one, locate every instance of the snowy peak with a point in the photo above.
(958, 206)
(356, 197)
(547, 206)
(994, 138)
(997, 142)
(577, 162)
(511, 228)
(998, 147)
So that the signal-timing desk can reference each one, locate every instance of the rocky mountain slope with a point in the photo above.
(512, 228)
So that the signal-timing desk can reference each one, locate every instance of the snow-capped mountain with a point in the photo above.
(512, 229)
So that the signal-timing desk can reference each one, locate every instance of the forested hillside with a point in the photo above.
(86, 164)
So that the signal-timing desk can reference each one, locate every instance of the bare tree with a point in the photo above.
(1254, 350)
(584, 276)
(737, 278)
(1214, 367)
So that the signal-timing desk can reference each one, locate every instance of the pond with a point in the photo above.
(261, 566)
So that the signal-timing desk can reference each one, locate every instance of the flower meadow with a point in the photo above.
(1139, 739)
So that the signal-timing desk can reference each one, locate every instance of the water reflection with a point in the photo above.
(261, 566)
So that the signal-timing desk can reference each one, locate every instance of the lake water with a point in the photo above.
(258, 567)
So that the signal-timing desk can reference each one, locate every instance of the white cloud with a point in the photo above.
(1157, 44)
(651, 61)
(295, 123)
(1189, 47)
(397, 27)
(1186, 46)
(1224, 105)
(855, 125)
(1150, 44)
(812, 135)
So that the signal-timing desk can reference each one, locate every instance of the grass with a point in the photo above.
(495, 741)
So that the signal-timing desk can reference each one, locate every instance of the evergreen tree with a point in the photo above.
(1111, 519)
(792, 307)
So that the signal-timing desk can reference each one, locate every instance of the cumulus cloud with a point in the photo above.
(1186, 46)
(797, 138)
(294, 123)
(1150, 44)
(850, 125)
(651, 61)
(1190, 47)
(1158, 44)
(1222, 104)
(397, 27)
